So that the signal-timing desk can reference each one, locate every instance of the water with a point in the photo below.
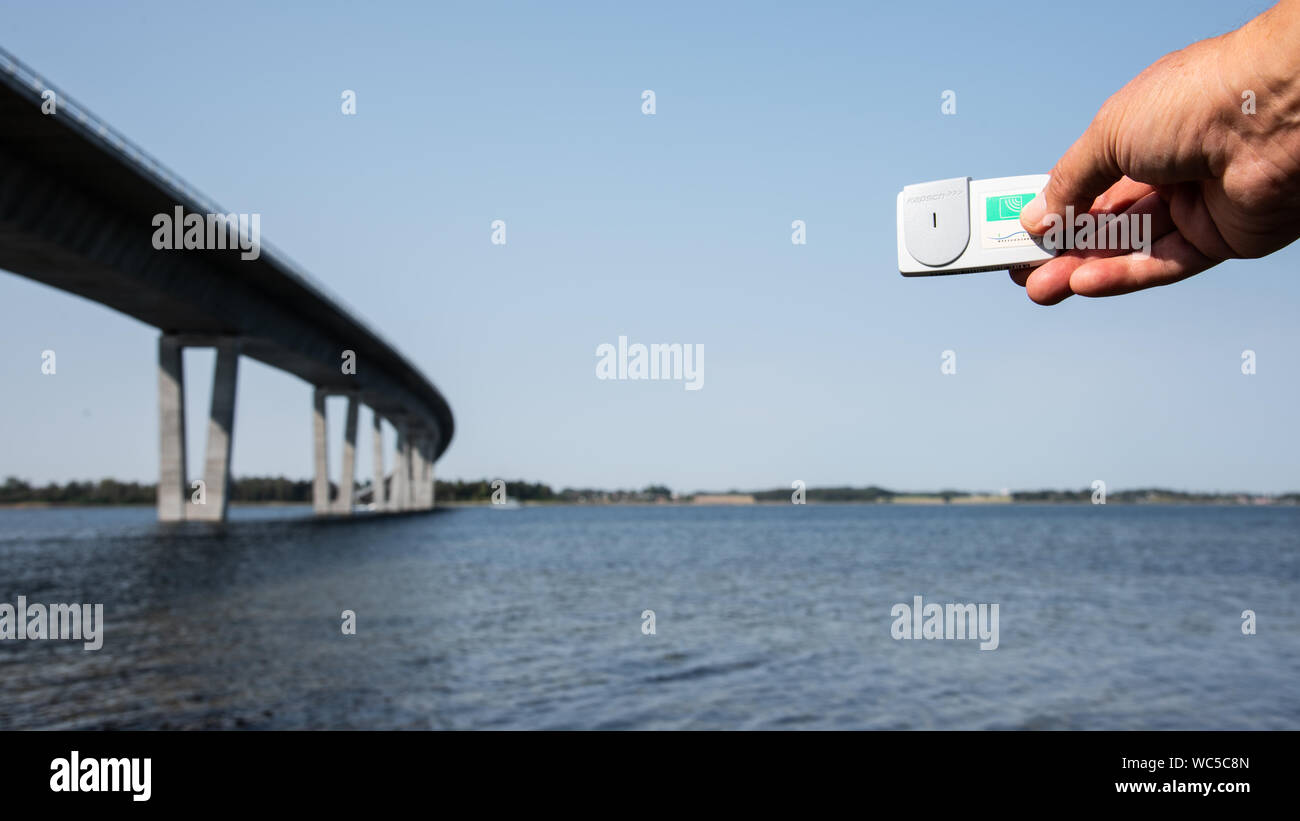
(766, 617)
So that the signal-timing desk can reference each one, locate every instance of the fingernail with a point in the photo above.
(1031, 216)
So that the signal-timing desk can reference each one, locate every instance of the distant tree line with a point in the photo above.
(519, 490)
(103, 492)
(273, 489)
(481, 491)
(113, 492)
(1151, 495)
(283, 490)
(278, 489)
(651, 494)
(829, 494)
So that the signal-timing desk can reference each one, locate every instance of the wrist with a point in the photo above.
(1259, 66)
(1263, 57)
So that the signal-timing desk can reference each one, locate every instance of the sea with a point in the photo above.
(660, 617)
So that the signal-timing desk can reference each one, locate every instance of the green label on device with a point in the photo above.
(1005, 207)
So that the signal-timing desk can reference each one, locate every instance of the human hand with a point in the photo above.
(1179, 143)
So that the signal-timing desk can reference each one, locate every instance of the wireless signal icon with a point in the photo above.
(1006, 207)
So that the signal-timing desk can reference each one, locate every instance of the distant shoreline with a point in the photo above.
(42, 505)
(280, 491)
(909, 502)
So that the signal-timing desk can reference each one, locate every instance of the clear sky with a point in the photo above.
(822, 363)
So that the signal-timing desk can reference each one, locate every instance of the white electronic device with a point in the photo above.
(960, 226)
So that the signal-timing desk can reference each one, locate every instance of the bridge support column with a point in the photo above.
(221, 427)
(320, 486)
(408, 470)
(416, 468)
(433, 476)
(349, 478)
(402, 472)
(426, 475)
(395, 482)
(172, 489)
(377, 483)
(417, 471)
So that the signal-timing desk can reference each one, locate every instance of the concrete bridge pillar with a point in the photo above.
(173, 487)
(417, 471)
(433, 476)
(426, 475)
(172, 490)
(395, 483)
(402, 471)
(349, 478)
(221, 427)
(377, 483)
(320, 485)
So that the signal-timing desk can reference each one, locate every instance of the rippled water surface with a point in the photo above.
(766, 617)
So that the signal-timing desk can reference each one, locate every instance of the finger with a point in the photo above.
(1172, 258)
(1117, 198)
(1049, 283)
(1192, 215)
(1053, 281)
(1088, 168)
(1120, 196)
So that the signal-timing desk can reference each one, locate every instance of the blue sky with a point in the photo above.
(822, 363)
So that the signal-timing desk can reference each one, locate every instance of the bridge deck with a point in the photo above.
(76, 207)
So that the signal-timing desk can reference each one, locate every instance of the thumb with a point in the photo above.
(1088, 168)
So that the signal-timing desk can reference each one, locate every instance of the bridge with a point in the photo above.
(78, 210)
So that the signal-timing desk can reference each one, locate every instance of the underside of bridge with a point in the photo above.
(77, 209)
